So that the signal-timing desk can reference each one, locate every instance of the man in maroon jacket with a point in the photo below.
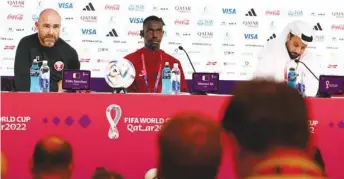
(149, 60)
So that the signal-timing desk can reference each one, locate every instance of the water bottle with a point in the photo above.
(45, 77)
(166, 79)
(175, 79)
(34, 76)
(292, 77)
(301, 88)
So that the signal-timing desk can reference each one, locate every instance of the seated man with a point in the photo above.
(189, 148)
(279, 55)
(48, 46)
(150, 60)
(270, 127)
(52, 158)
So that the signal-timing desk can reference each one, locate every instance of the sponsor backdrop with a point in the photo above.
(223, 37)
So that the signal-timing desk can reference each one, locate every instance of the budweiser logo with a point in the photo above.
(332, 66)
(15, 17)
(133, 33)
(9, 47)
(85, 59)
(114, 7)
(273, 13)
(182, 22)
(338, 27)
(211, 63)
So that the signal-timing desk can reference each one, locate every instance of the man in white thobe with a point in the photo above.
(278, 56)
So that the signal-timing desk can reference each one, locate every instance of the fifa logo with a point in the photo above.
(327, 84)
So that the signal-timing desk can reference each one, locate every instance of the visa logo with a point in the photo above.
(136, 20)
(228, 11)
(89, 31)
(65, 5)
(251, 36)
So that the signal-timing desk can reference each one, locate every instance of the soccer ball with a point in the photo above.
(120, 73)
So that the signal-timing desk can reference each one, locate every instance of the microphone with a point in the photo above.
(34, 52)
(322, 95)
(298, 61)
(181, 48)
(193, 93)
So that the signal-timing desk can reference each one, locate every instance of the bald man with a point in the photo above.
(48, 45)
(279, 55)
(52, 159)
(3, 165)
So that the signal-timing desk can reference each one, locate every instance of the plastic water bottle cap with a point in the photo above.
(175, 65)
(35, 61)
(45, 62)
(166, 63)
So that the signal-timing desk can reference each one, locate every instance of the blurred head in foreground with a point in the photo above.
(264, 116)
(190, 147)
(3, 165)
(52, 159)
(103, 173)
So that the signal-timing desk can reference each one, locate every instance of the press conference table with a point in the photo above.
(82, 120)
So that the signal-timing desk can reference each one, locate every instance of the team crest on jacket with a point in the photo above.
(59, 66)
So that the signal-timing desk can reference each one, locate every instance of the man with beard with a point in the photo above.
(278, 56)
(149, 60)
(46, 44)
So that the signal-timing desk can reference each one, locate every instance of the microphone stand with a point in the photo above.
(321, 95)
(187, 55)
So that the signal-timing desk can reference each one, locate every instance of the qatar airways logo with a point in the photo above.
(273, 12)
(15, 17)
(113, 7)
(89, 18)
(133, 33)
(338, 14)
(338, 27)
(182, 22)
(16, 4)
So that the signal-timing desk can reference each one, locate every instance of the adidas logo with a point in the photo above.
(112, 33)
(251, 12)
(89, 7)
(272, 37)
(317, 27)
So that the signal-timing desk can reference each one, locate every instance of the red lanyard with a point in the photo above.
(145, 75)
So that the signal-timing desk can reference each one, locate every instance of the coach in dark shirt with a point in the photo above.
(46, 44)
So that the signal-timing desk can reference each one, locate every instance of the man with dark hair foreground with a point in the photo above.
(269, 122)
(190, 148)
(52, 159)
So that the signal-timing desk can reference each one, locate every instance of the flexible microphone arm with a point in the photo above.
(298, 61)
(181, 48)
(193, 93)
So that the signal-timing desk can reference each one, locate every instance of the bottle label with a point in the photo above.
(45, 83)
(176, 86)
(34, 72)
(301, 88)
(292, 76)
(166, 75)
